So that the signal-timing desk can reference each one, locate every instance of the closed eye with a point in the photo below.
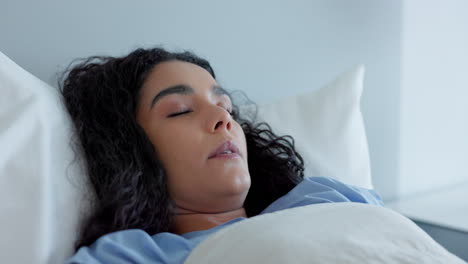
(231, 112)
(179, 113)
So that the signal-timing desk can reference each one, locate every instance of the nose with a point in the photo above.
(221, 120)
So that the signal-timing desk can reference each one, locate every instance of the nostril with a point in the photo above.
(218, 124)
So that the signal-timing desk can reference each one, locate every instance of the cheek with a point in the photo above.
(241, 135)
(179, 152)
(171, 143)
(178, 148)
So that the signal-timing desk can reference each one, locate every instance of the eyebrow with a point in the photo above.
(184, 90)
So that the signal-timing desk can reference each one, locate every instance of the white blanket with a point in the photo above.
(323, 233)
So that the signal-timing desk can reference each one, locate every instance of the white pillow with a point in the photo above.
(39, 189)
(327, 127)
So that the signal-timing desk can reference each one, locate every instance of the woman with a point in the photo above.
(172, 161)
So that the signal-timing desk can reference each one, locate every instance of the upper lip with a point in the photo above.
(228, 145)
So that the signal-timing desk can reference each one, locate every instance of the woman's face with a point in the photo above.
(186, 116)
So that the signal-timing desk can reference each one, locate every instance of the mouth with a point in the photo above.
(226, 150)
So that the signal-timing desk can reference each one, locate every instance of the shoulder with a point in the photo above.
(313, 190)
(134, 246)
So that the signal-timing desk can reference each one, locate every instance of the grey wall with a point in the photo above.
(434, 96)
(267, 48)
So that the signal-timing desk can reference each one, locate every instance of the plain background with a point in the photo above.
(415, 95)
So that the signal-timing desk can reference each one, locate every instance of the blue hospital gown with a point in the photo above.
(137, 246)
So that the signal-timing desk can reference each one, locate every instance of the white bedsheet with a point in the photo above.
(323, 233)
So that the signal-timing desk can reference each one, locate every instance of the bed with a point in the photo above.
(44, 194)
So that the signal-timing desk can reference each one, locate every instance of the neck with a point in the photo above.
(187, 221)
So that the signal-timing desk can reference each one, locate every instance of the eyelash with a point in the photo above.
(179, 113)
(189, 111)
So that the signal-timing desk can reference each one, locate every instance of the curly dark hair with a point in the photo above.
(130, 184)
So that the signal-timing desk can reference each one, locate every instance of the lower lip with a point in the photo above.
(226, 156)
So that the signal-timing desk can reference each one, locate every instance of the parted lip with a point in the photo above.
(228, 145)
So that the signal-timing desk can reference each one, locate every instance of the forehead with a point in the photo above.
(173, 72)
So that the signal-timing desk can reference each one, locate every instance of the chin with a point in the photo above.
(238, 194)
(240, 184)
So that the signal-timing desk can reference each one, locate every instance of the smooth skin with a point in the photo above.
(188, 120)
